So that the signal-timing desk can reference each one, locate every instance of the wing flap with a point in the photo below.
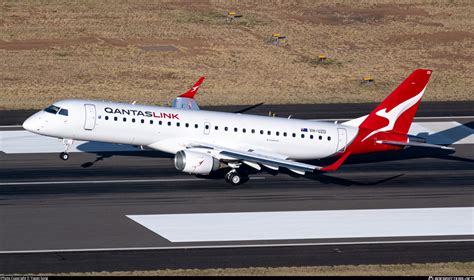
(271, 162)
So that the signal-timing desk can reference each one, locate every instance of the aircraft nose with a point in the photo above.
(31, 124)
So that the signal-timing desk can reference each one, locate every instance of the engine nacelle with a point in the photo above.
(195, 162)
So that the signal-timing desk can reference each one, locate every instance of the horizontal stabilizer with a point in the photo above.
(414, 144)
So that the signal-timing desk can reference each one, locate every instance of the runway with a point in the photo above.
(72, 216)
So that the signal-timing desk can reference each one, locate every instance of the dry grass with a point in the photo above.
(445, 269)
(151, 51)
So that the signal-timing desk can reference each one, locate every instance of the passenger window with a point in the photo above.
(284, 134)
(294, 134)
(329, 138)
(253, 130)
(244, 130)
(302, 135)
(106, 118)
(186, 125)
(311, 137)
(206, 126)
(216, 127)
(151, 121)
(169, 123)
(235, 129)
(226, 128)
(177, 124)
(160, 122)
(63, 112)
(142, 121)
(115, 118)
(196, 126)
(133, 120)
(261, 131)
(277, 133)
(124, 119)
(269, 132)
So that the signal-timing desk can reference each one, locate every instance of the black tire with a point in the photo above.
(64, 156)
(235, 178)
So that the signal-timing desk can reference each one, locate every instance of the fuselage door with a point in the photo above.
(207, 128)
(342, 139)
(89, 123)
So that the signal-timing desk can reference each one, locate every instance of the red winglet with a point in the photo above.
(336, 164)
(192, 91)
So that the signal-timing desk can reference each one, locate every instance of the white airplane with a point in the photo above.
(205, 141)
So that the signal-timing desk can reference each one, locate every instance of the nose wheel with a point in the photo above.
(67, 143)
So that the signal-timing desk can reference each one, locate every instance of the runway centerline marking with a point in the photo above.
(274, 245)
(111, 181)
(320, 224)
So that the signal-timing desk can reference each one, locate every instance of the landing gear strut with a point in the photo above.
(67, 143)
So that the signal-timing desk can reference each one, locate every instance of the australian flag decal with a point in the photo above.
(304, 130)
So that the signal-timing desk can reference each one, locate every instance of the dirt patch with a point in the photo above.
(343, 14)
(159, 48)
(39, 44)
(191, 46)
(446, 37)
(452, 56)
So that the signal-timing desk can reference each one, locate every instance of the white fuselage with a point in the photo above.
(171, 130)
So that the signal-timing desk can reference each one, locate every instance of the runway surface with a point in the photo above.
(72, 216)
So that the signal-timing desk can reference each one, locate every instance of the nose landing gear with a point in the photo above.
(67, 143)
(64, 156)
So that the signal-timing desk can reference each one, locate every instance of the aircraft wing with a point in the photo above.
(186, 100)
(256, 159)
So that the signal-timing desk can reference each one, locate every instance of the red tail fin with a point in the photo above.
(192, 91)
(396, 112)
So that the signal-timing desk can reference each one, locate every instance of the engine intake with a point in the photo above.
(195, 162)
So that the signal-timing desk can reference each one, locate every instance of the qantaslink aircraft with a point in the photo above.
(205, 141)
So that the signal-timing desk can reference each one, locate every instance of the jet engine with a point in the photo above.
(195, 162)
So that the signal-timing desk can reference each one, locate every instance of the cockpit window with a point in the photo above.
(52, 109)
(63, 112)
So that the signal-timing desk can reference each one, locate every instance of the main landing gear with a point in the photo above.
(67, 143)
(235, 177)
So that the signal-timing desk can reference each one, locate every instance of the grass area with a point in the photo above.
(151, 51)
(434, 269)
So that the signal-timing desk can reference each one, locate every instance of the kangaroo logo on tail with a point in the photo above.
(392, 115)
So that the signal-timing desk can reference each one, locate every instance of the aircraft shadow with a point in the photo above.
(449, 136)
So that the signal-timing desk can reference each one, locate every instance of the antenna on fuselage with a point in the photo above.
(289, 117)
(133, 103)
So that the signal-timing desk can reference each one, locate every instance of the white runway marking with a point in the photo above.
(109, 181)
(25, 142)
(327, 224)
(240, 246)
(21, 142)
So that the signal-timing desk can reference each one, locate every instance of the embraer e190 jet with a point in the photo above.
(205, 141)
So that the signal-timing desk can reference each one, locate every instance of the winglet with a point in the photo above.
(336, 164)
(192, 91)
